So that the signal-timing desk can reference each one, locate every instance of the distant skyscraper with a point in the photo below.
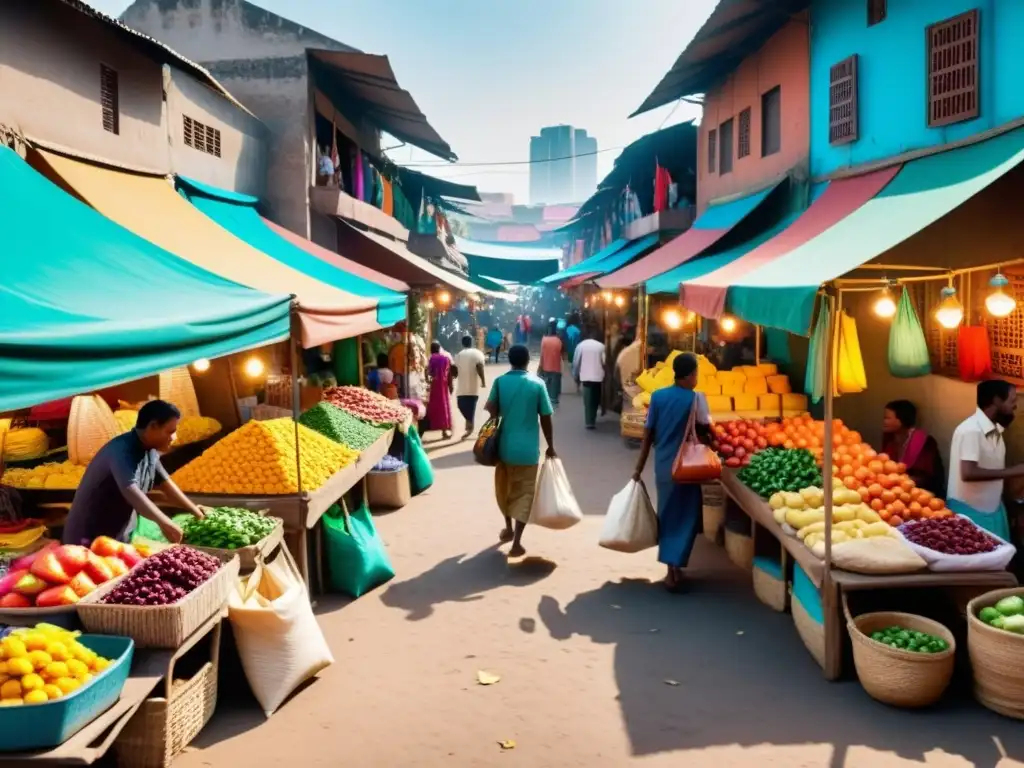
(563, 165)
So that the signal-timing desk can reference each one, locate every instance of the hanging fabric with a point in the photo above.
(662, 181)
(777, 343)
(848, 375)
(388, 205)
(357, 173)
(426, 224)
(974, 354)
(908, 349)
(817, 352)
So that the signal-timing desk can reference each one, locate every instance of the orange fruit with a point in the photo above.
(914, 508)
(905, 497)
(888, 497)
(901, 467)
(875, 489)
(876, 466)
(898, 507)
(851, 482)
(895, 520)
(878, 505)
(865, 494)
(907, 484)
(936, 504)
(883, 457)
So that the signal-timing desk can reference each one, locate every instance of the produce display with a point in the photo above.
(389, 464)
(227, 528)
(778, 469)
(164, 578)
(367, 405)
(43, 663)
(341, 426)
(52, 476)
(736, 441)
(259, 458)
(23, 443)
(59, 575)
(191, 429)
(1007, 614)
(910, 640)
(949, 535)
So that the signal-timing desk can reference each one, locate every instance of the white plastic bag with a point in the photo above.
(554, 505)
(631, 524)
(278, 638)
(996, 560)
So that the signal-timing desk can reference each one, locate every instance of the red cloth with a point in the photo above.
(662, 181)
(974, 355)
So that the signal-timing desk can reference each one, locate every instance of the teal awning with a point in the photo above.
(516, 263)
(238, 214)
(583, 267)
(86, 304)
(622, 257)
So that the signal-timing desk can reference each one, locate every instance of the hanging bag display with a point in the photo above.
(848, 375)
(695, 462)
(908, 348)
(974, 354)
(421, 474)
(814, 380)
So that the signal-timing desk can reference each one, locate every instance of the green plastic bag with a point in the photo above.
(150, 531)
(421, 474)
(346, 362)
(814, 380)
(356, 558)
(908, 348)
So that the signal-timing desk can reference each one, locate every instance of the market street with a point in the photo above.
(598, 666)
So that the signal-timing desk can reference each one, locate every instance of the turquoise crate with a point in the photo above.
(43, 726)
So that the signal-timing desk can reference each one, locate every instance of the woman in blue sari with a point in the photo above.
(679, 505)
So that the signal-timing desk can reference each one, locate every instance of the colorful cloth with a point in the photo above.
(514, 489)
(389, 197)
(439, 407)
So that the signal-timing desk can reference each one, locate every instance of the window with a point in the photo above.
(725, 146)
(109, 100)
(712, 149)
(842, 102)
(877, 11)
(205, 138)
(952, 49)
(743, 139)
(771, 121)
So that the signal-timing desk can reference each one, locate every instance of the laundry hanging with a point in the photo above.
(908, 349)
(974, 354)
(817, 356)
(662, 181)
(848, 375)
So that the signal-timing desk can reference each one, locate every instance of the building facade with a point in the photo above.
(563, 165)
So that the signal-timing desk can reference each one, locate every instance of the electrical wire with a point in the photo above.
(510, 162)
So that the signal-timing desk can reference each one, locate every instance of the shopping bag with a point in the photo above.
(631, 524)
(356, 558)
(554, 505)
(485, 449)
(695, 462)
(278, 638)
(908, 348)
(421, 474)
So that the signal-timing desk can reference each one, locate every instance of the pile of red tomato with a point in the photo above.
(736, 441)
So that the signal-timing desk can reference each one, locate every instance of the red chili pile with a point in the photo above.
(165, 578)
(367, 405)
(949, 535)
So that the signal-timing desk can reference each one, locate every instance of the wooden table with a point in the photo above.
(845, 581)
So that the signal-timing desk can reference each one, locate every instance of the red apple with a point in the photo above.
(72, 557)
(82, 584)
(116, 565)
(130, 556)
(55, 596)
(25, 561)
(7, 582)
(104, 546)
(14, 600)
(98, 569)
(30, 585)
(48, 568)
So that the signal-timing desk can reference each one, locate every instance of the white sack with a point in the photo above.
(631, 524)
(554, 505)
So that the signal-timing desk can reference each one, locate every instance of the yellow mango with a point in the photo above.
(867, 514)
(844, 512)
(879, 528)
(818, 527)
(777, 500)
(801, 518)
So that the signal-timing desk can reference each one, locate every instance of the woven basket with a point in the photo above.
(895, 676)
(388, 490)
(713, 510)
(247, 556)
(811, 632)
(164, 726)
(770, 590)
(176, 387)
(996, 658)
(158, 626)
(631, 424)
(91, 425)
(740, 549)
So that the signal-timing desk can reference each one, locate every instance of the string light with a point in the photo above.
(1000, 303)
(444, 298)
(884, 306)
(254, 367)
(620, 301)
(950, 313)
(202, 365)
(728, 323)
(607, 296)
(672, 319)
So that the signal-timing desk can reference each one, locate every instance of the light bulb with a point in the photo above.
(949, 312)
(672, 319)
(1000, 303)
(607, 296)
(254, 367)
(444, 297)
(201, 365)
(727, 324)
(619, 301)
(885, 307)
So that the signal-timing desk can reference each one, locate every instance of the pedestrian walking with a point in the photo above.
(439, 379)
(679, 504)
(550, 367)
(521, 400)
(495, 338)
(572, 338)
(469, 365)
(588, 369)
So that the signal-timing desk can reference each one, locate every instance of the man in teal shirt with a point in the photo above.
(522, 402)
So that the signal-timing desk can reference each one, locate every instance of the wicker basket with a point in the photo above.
(631, 424)
(996, 657)
(176, 387)
(811, 632)
(91, 425)
(713, 496)
(247, 556)
(740, 549)
(770, 590)
(165, 725)
(388, 490)
(895, 676)
(158, 626)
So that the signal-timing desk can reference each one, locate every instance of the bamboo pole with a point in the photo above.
(757, 345)
(296, 406)
(643, 310)
(826, 582)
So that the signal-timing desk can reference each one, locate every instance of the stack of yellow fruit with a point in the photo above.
(125, 419)
(52, 475)
(22, 443)
(44, 663)
(191, 429)
(259, 458)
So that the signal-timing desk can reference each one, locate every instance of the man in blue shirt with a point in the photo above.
(522, 402)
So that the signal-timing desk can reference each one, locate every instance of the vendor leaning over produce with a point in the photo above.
(977, 459)
(114, 487)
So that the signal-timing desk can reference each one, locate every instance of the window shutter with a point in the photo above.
(771, 121)
(953, 88)
(842, 102)
(109, 100)
(743, 139)
(725, 147)
(712, 149)
(204, 138)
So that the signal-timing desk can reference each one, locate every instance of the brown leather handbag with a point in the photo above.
(695, 462)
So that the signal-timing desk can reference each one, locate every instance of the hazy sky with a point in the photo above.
(490, 73)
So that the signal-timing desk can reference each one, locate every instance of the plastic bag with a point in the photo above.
(631, 524)
(421, 474)
(814, 380)
(848, 375)
(277, 635)
(908, 349)
(974, 355)
(356, 558)
(996, 560)
(554, 505)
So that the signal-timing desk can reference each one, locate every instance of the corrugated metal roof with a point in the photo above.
(734, 30)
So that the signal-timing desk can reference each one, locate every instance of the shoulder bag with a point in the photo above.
(485, 449)
(695, 462)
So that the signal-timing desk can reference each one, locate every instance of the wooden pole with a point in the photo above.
(362, 363)
(757, 345)
(407, 340)
(643, 310)
(296, 406)
(826, 469)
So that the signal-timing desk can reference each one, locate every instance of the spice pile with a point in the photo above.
(165, 578)
(367, 405)
(341, 426)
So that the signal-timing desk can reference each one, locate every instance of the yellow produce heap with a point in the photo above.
(259, 458)
(191, 429)
(43, 664)
(52, 476)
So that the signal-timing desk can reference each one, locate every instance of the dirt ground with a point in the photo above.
(584, 644)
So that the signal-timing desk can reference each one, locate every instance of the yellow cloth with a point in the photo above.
(848, 375)
(396, 358)
(514, 488)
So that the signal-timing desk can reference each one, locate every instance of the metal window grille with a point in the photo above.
(743, 137)
(953, 87)
(204, 138)
(842, 102)
(725, 147)
(712, 150)
(109, 99)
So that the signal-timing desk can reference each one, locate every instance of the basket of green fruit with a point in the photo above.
(227, 532)
(902, 660)
(995, 642)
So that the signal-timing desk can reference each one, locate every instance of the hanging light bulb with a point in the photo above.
(607, 296)
(728, 323)
(672, 319)
(254, 367)
(950, 313)
(1000, 303)
(443, 298)
(620, 301)
(201, 365)
(885, 306)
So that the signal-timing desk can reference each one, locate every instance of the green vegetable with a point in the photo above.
(988, 614)
(341, 427)
(1011, 606)
(780, 469)
(227, 528)
(910, 640)
(1014, 623)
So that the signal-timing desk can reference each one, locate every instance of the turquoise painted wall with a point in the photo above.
(892, 71)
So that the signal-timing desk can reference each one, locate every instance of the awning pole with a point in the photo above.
(643, 309)
(826, 469)
(757, 345)
(362, 363)
(296, 407)
(407, 341)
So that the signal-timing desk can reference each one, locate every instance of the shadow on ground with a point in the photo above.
(713, 667)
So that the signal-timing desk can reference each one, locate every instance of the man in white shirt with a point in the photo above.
(588, 368)
(470, 366)
(977, 459)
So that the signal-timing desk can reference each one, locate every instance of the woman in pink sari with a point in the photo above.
(905, 443)
(439, 406)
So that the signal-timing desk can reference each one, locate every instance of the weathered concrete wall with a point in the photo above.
(50, 60)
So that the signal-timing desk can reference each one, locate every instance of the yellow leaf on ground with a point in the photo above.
(507, 744)
(487, 678)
